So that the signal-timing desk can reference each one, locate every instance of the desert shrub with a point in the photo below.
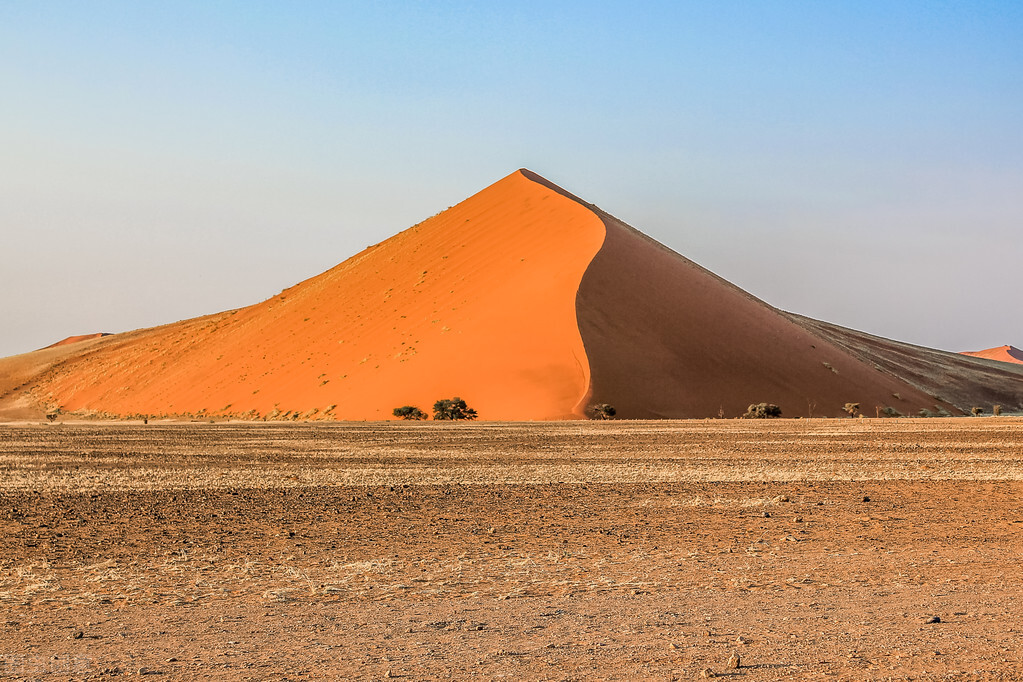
(890, 412)
(762, 411)
(409, 412)
(453, 409)
(924, 412)
(851, 409)
(997, 410)
(602, 411)
(51, 416)
(976, 411)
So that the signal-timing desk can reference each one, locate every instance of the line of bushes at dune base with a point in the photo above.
(456, 409)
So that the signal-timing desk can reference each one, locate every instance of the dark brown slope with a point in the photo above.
(959, 379)
(667, 338)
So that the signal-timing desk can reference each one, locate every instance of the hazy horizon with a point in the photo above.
(859, 163)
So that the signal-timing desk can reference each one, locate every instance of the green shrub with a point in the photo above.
(453, 409)
(602, 411)
(409, 412)
(890, 412)
(762, 411)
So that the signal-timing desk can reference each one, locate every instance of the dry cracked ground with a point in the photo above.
(837, 549)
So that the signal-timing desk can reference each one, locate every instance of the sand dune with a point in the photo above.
(77, 339)
(1002, 353)
(523, 299)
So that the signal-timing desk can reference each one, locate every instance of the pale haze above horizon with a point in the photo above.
(856, 162)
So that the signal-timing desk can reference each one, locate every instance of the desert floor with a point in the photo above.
(614, 550)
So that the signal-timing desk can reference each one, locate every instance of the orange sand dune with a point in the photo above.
(524, 300)
(476, 302)
(76, 339)
(1002, 353)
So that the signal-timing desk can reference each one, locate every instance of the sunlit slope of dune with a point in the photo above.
(478, 302)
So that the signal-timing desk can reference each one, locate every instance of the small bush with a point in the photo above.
(409, 412)
(762, 411)
(602, 411)
(453, 409)
(851, 409)
(890, 412)
(976, 411)
(997, 410)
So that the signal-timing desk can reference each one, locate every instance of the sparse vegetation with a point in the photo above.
(997, 410)
(976, 411)
(602, 411)
(409, 413)
(888, 411)
(453, 409)
(852, 409)
(762, 411)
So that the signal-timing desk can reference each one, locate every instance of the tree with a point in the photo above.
(453, 409)
(976, 411)
(762, 411)
(603, 411)
(851, 409)
(409, 412)
(997, 410)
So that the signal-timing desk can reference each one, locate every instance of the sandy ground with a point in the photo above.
(562, 551)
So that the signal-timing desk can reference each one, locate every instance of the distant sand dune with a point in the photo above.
(1002, 354)
(77, 339)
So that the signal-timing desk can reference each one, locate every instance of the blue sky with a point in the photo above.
(858, 162)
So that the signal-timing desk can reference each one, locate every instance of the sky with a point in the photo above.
(858, 162)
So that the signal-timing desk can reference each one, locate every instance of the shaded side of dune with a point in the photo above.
(962, 380)
(667, 338)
